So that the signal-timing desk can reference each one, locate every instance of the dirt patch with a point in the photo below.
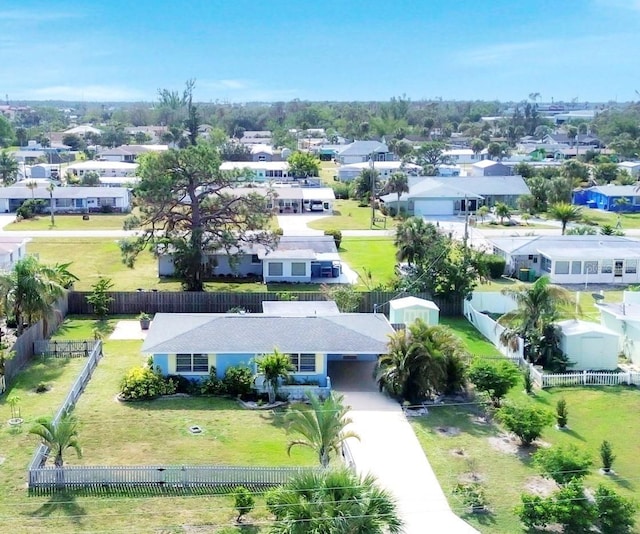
(541, 486)
(479, 420)
(471, 478)
(448, 431)
(458, 453)
(505, 443)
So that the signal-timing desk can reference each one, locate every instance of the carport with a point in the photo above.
(352, 375)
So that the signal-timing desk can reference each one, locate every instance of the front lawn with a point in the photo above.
(97, 221)
(348, 215)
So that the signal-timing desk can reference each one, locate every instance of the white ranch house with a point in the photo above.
(103, 168)
(68, 199)
(351, 171)
(573, 259)
(258, 171)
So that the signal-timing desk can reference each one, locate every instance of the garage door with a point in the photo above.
(433, 207)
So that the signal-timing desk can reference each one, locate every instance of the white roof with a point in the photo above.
(576, 327)
(485, 163)
(385, 165)
(254, 165)
(259, 148)
(83, 129)
(91, 165)
(409, 302)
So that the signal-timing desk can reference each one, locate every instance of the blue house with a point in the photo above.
(190, 344)
(607, 197)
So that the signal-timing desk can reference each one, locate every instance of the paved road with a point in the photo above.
(389, 449)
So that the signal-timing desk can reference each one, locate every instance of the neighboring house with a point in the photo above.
(129, 153)
(103, 168)
(31, 157)
(68, 199)
(293, 199)
(258, 171)
(83, 130)
(589, 346)
(12, 249)
(350, 171)
(608, 197)
(489, 167)
(302, 259)
(261, 152)
(453, 195)
(191, 344)
(464, 155)
(404, 311)
(572, 259)
(45, 170)
(582, 140)
(632, 167)
(360, 151)
(624, 319)
(256, 137)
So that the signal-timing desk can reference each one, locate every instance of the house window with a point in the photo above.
(303, 363)
(636, 201)
(631, 266)
(576, 267)
(192, 363)
(562, 267)
(255, 260)
(546, 264)
(607, 267)
(275, 268)
(590, 267)
(298, 269)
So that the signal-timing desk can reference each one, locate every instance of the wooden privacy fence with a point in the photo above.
(64, 348)
(169, 476)
(134, 302)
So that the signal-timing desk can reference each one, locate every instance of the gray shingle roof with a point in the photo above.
(358, 148)
(616, 190)
(360, 333)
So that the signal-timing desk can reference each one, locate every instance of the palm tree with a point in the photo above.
(417, 362)
(58, 438)
(565, 213)
(333, 502)
(483, 211)
(398, 183)
(31, 289)
(8, 168)
(51, 188)
(274, 367)
(503, 211)
(322, 426)
(413, 237)
(538, 305)
(477, 145)
(32, 185)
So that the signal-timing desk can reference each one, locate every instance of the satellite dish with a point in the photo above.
(597, 296)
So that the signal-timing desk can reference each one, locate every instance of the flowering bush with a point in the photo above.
(142, 383)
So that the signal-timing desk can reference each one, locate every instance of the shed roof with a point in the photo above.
(576, 327)
(409, 302)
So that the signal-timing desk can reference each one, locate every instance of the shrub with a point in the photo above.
(494, 379)
(527, 380)
(526, 422)
(244, 502)
(563, 464)
(142, 383)
(30, 208)
(495, 265)
(606, 455)
(183, 384)
(42, 388)
(337, 236)
(615, 514)
(562, 413)
(238, 381)
(340, 190)
(534, 512)
(212, 385)
(472, 495)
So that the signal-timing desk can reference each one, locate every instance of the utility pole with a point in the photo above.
(466, 223)
(373, 195)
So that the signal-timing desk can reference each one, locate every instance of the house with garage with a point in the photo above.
(291, 198)
(68, 199)
(191, 344)
(571, 259)
(294, 259)
(360, 151)
(608, 197)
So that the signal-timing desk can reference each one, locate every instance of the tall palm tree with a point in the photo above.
(503, 211)
(8, 168)
(413, 237)
(398, 183)
(538, 305)
(58, 437)
(31, 289)
(333, 502)
(32, 185)
(274, 367)
(565, 213)
(51, 188)
(322, 426)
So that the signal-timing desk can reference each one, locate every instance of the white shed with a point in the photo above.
(407, 309)
(590, 346)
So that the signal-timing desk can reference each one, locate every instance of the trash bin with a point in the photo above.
(335, 271)
(532, 275)
(523, 275)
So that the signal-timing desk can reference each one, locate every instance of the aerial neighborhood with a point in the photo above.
(431, 306)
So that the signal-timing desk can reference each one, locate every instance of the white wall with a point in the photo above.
(492, 302)
(591, 351)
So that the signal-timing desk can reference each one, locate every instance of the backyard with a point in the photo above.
(461, 442)
(113, 433)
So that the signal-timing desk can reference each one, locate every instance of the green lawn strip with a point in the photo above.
(376, 255)
(627, 220)
(348, 215)
(475, 342)
(529, 225)
(97, 221)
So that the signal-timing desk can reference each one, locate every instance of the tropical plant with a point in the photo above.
(243, 502)
(99, 297)
(565, 213)
(321, 426)
(397, 183)
(346, 297)
(413, 238)
(422, 361)
(275, 367)
(366, 185)
(503, 211)
(525, 421)
(143, 383)
(337, 236)
(331, 502)
(483, 211)
(606, 455)
(563, 464)
(494, 379)
(8, 168)
(58, 437)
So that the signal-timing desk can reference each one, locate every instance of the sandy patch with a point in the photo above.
(541, 486)
(448, 431)
(128, 330)
(505, 443)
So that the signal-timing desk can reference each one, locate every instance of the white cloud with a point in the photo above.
(104, 93)
(240, 90)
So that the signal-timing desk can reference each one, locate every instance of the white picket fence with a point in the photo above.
(491, 330)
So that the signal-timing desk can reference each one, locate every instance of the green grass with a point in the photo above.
(129, 434)
(475, 342)
(349, 216)
(600, 218)
(97, 221)
(376, 255)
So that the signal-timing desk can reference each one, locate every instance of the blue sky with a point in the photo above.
(269, 50)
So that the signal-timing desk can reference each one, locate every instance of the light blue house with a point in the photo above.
(190, 344)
